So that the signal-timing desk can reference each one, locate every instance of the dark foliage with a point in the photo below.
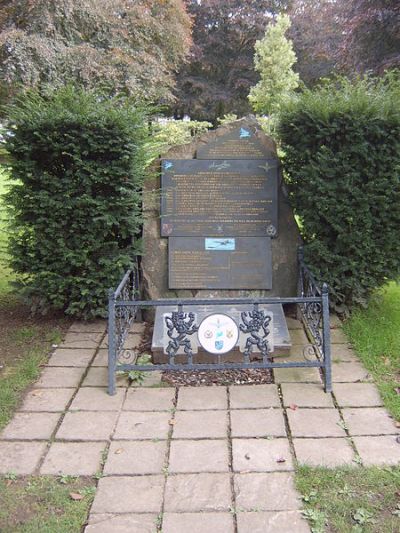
(220, 73)
(77, 166)
(342, 161)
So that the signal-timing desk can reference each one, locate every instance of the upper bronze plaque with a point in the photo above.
(219, 198)
(245, 142)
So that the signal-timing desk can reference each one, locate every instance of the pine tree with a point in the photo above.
(274, 58)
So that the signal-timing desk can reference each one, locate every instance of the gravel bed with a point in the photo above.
(197, 378)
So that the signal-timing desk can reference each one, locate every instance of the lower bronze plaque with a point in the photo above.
(220, 263)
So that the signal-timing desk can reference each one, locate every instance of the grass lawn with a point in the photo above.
(375, 334)
(44, 504)
(31, 504)
(351, 500)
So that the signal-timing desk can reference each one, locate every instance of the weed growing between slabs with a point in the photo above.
(351, 499)
(44, 504)
(375, 334)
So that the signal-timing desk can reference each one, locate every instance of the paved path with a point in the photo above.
(195, 460)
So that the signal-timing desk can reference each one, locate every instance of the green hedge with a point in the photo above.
(342, 163)
(78, 162)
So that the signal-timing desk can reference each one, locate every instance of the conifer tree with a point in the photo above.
(274, 59)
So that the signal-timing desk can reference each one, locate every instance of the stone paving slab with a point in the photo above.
(381, 451)
(261, 455)
(293, 323)
(132, 341)
(198, 456)
(324, 452)
(139, 399)
(198, 492)
(298, 336)
(31, 426)
(136, 457)
(343, 353)
(87, 426)
(357, 395)
(72, 357)
(200, 424)
(101, 358)
(54, 377)
(126, 523)
(93, 326)
(267, 522)
(338, 336)
(20, 457)
(297, 375)
(369, 421)
(97, 399)
(253, 396)
(98, 377)
(138, 494)
(315, 423)
(202, 398)
(197, 523)
(73, 458)
(273, 491)
(137, 425)
(50, 400)
(351, 372)
(81, 340)
(305, 395)
(258, 423)
(300, 352)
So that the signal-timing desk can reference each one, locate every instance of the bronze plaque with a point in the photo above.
(241, 143)
(219, 198)
(220, 263)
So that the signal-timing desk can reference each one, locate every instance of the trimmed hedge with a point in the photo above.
(78, 162)
(342, 164)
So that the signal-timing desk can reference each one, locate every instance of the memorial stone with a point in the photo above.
(225, 185)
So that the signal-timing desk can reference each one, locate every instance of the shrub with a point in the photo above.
(342, 164)
(170, 132)
(75, 205)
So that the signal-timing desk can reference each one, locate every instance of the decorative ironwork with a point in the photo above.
(311, 311)
(179, 326)
(127, 357)
(256, 323)
(312, 302)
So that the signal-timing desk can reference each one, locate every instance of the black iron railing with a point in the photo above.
(312, 303)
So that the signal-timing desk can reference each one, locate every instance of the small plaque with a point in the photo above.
(218, 334)
(230, 263)
(219, 198)
(241, 143)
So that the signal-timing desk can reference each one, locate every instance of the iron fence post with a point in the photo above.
(112, 356)
(326, 338)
